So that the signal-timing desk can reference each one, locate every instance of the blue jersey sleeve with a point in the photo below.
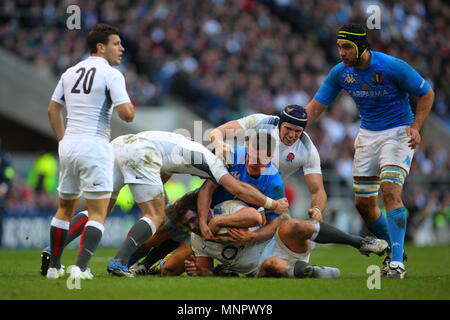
(274, 190)
(330, 88)
(408, 79)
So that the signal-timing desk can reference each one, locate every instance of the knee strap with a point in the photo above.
(393, 175)
(366, 189)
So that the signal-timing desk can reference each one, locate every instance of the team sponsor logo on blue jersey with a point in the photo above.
(367, 94)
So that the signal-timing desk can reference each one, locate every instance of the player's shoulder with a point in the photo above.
(305, 142)
(387, 61)
(338, 69)
(258, 119)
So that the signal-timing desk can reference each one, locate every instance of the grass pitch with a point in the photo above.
(428, 278)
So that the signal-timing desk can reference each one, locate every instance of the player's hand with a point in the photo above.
(206, 232)
(190, 266)
(240, 234)
(414, 135)
(223, 150)
(315, 213)
(282, 206)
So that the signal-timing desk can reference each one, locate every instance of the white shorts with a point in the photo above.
(276, 248)
(376, 149)
(86, 164)
(133, 166)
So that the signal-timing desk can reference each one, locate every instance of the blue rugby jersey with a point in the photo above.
(269, 183)
(380, 91)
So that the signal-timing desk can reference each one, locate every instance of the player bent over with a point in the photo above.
(380, 85)
(90, 90)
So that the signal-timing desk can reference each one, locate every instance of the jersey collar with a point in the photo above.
(99, 59)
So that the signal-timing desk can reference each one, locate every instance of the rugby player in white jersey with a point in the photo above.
(296, 150)
(139, 161)
(284, 254)
(89, 90)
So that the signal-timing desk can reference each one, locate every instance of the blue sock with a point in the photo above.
(397, 229)
(380, 229)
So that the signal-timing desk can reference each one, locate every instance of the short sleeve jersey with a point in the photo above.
(289, 159)
(380, 91)
(90, 90)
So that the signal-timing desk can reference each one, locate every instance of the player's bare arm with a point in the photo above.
(250, 194)
(424, 104)
(314, 110)
(244, 218)
(203, 203)
(126, 111)
(314, 182)
(55, 117)
(219, 134)
(264, 233)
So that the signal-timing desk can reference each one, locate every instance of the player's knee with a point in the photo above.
(297, 228)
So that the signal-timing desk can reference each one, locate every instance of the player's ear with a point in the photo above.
(100, 48)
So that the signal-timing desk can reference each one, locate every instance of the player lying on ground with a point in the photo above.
(380, 85)
(139, 160)
(286, 253)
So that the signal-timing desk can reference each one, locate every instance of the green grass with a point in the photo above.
(428, 278)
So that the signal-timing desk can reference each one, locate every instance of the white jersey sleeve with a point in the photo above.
(312, 163)
(253, 121)
(58, 94)
(117, 89)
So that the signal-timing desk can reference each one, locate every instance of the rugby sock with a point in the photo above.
(380, 229)
(396, 219)
(58, 234)
(135, 257)
(77, 225)
(90, 239)
(160, 252)
(141, 231)
(326, 233)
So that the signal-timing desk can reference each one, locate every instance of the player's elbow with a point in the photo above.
(128, 116)
(126, 112)
(256, 218)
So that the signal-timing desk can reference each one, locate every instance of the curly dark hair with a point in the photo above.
(176, 211)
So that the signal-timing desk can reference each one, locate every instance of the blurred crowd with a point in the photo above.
(230, 58)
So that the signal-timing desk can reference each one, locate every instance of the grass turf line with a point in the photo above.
(428, 278)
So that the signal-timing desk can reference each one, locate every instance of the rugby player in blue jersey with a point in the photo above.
(380, 86)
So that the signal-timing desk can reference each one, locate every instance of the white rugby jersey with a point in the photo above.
(178, 154)
(240, 257)
(90, 90)
(289, 159)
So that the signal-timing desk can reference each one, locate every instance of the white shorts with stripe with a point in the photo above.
(376, 149)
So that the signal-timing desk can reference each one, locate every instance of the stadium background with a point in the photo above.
(213, 61)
